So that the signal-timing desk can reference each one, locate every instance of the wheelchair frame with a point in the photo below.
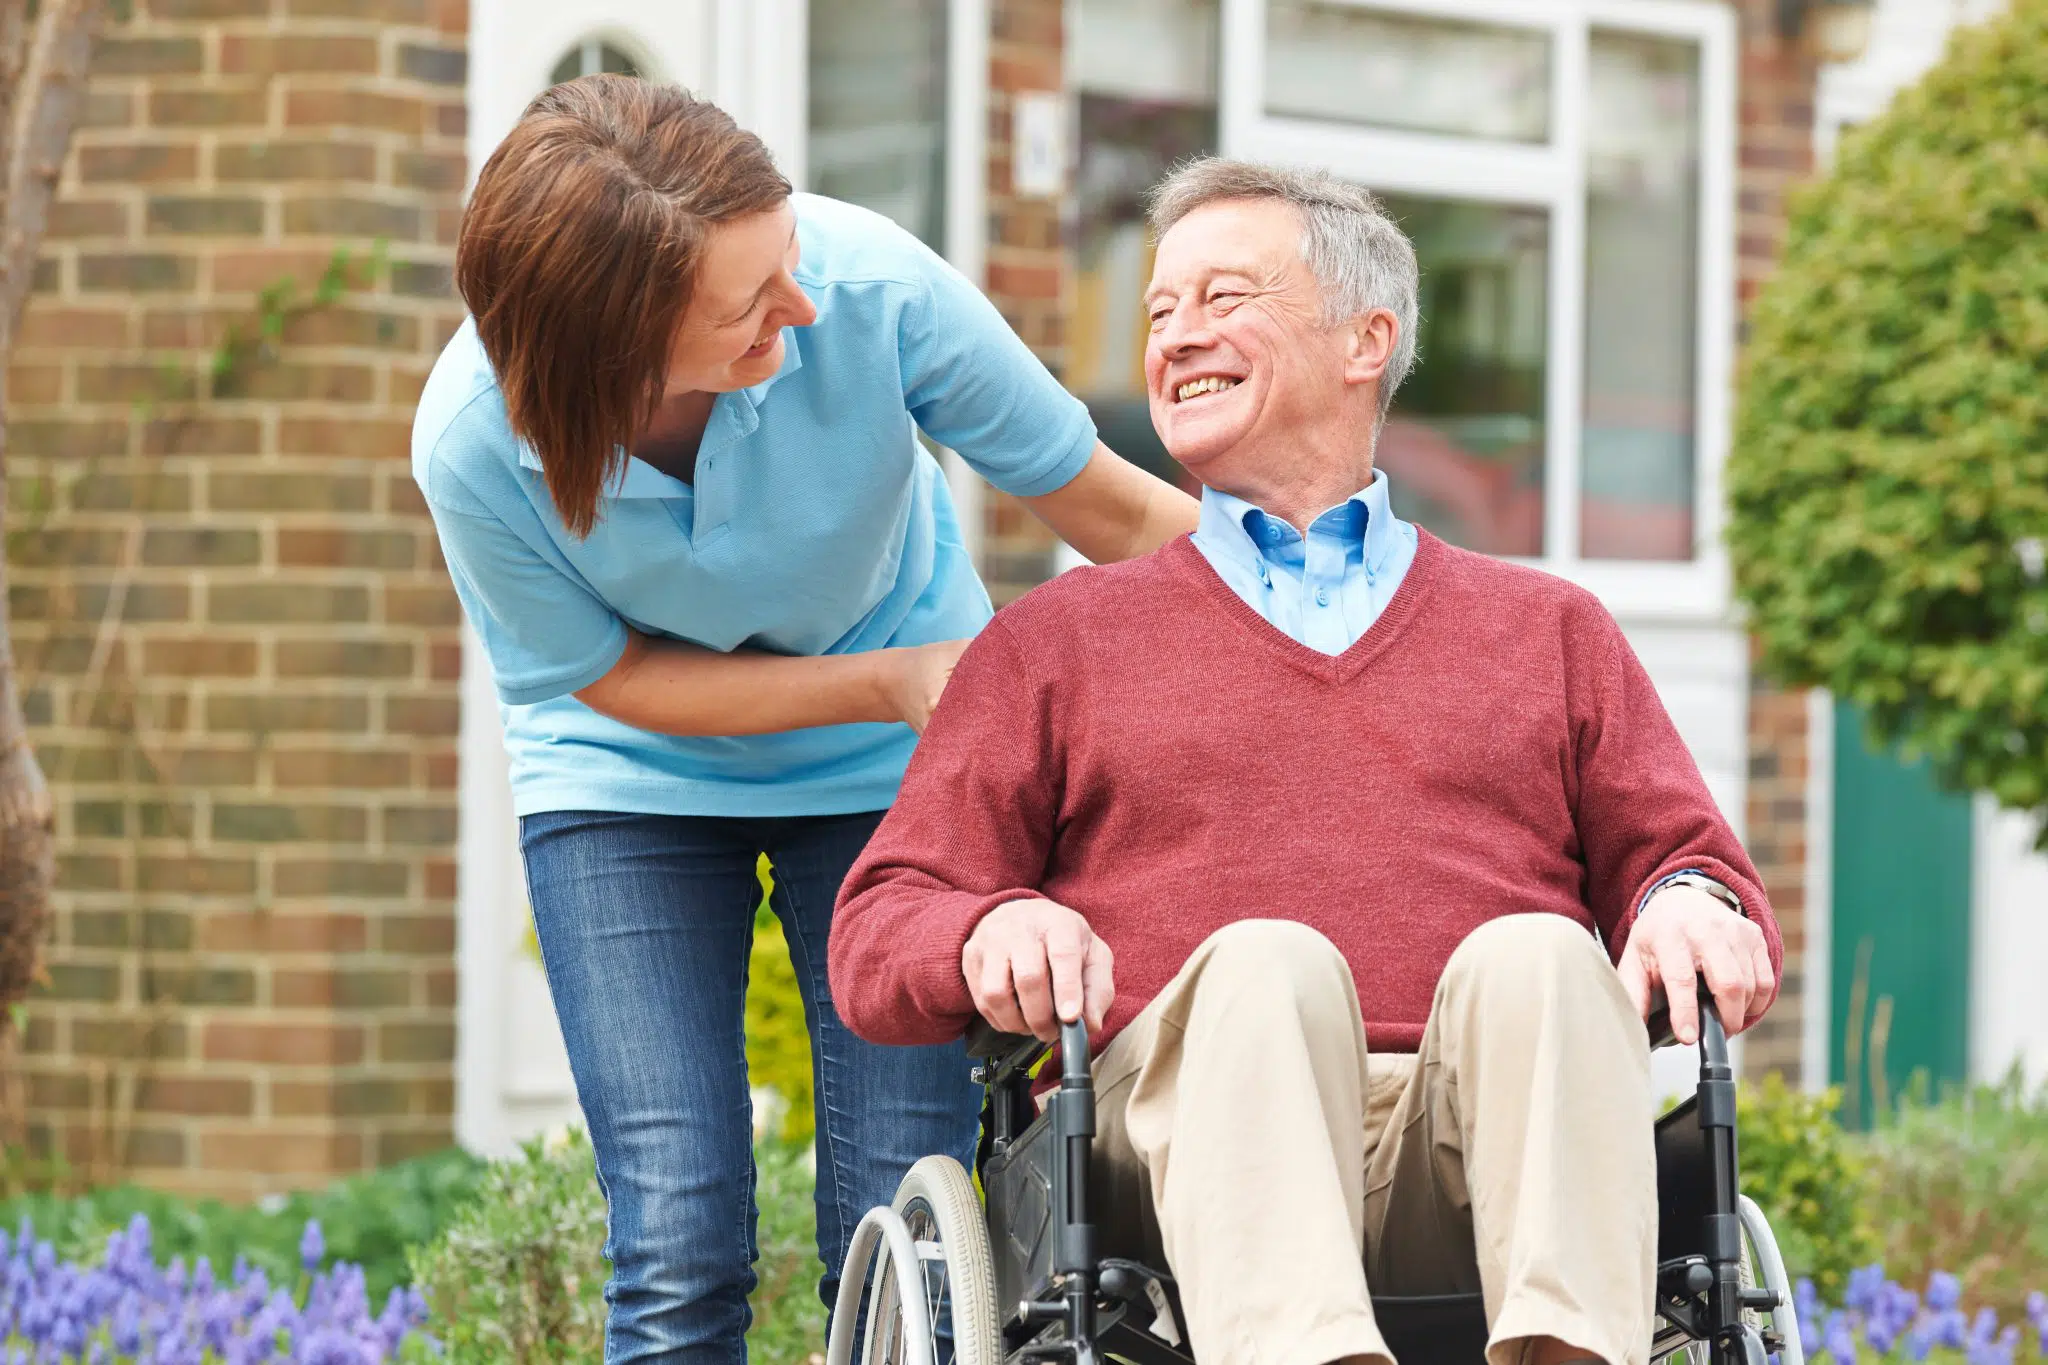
(1058, 1301)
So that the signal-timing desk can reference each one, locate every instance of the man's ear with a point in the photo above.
(1369, 345)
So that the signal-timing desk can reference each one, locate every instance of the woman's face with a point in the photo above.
(731, 337)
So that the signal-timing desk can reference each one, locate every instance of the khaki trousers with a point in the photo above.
(1246, 1139)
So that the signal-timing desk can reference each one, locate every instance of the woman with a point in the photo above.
(672, 461)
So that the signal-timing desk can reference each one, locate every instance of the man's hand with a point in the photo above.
(1031, 965)
(1682, 933)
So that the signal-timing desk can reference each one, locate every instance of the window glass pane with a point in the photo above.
(1642, 262)
(1137, 119)
(878, 109)
(1329, 60)
(588, 59)
(1463, 445)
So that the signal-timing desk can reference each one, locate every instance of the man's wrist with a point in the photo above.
(1699, 881)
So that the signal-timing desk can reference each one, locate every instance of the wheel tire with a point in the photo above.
(938, 1203)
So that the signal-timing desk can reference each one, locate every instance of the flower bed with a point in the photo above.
(127, 1308)
(1891, 1322)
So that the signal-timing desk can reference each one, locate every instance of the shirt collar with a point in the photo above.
(1247, 530)
(733, 416)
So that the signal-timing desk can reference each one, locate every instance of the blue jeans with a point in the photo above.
(645, 923)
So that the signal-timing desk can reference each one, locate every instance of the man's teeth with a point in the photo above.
(1213, 384)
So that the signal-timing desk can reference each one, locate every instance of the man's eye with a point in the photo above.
(1223, 294)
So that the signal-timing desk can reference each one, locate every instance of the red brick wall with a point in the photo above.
(1029, 268)
(241, 646)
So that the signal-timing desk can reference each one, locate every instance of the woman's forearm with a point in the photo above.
(674, 688)
(1112, 510)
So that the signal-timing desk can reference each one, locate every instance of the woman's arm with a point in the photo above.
(1113, 510)
(673, 688)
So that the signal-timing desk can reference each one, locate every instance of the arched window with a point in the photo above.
(591, 56)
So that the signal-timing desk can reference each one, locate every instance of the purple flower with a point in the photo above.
(312, 1246)
(1944, 1291)
(1864, 1287)
(1838, 1340)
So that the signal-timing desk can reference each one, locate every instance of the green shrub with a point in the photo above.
(778, 1041)
(1888, 482)
(369, 1219)
(518, 1278)
(1961, 1184)
(1805, 1173)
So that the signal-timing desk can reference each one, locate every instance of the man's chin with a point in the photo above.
(1193, 456)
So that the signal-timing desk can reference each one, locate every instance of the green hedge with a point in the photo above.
(1888, 484)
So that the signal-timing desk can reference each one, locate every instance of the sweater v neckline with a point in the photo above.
(1394, 618)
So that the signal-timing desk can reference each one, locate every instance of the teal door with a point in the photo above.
(1900, 956)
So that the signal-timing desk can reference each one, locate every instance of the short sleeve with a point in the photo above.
(976, 388)
(545, 633)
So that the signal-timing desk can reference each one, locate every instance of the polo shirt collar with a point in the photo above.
(733, 417)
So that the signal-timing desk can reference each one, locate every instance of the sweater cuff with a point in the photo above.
(941, 989)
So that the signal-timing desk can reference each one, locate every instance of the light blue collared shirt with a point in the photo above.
(1324, 589)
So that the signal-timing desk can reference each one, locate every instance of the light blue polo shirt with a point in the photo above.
(817, 524)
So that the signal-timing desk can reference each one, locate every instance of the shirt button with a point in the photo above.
(1322, 598)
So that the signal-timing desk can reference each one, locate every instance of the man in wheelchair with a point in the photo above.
(1363, 858)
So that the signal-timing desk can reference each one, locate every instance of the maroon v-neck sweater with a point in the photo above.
(1136, 742)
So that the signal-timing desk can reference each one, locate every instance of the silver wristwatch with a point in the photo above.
(1708, 885)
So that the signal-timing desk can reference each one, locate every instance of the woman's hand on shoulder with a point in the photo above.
(915, 676)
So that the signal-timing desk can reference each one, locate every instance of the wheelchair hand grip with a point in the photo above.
(1713, 1034)
(1074, 1054)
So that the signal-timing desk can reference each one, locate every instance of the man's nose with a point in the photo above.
(1184, 330)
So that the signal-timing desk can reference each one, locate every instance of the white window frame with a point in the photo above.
(1551, 177)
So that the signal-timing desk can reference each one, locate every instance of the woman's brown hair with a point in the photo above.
(577, 256)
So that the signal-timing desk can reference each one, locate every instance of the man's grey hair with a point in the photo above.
(1361, 260)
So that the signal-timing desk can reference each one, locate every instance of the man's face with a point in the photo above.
(1239, 360)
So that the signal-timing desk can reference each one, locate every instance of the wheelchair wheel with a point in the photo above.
(954, 1289)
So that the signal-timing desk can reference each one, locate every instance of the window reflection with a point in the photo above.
(1642, 259)
(591, 57)
(1387, 70)
(1463, 446)
(878, 109)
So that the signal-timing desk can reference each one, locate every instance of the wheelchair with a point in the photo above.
(1016, 1280)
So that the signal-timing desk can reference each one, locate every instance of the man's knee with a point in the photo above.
(1526, 945)
(1280, 960)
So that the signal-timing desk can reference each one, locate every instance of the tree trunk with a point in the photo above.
(42, 85)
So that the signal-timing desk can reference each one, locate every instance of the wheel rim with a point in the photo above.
(891, 1342)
